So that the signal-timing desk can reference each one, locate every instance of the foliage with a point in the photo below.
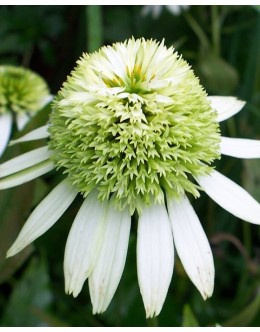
(222, 45)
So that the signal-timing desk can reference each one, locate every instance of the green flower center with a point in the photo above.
(21, 90)
(133, 120)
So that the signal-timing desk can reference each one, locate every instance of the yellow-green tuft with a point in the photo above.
(21, 90)
(132, 119)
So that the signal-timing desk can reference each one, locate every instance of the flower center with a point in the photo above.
(132, 119)
(21, 90)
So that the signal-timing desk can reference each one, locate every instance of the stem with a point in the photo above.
(232, 127)
(27, 57)
(198, 31)
(94, 28)
(215, 30)
(152, 322)
(247, 235)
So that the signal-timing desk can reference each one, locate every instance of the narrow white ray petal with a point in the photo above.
(192, 245)
(24, 161)
(240, 148)
(46, 100)
(44, 216)
(83, 243)
(5, 130)
(26, 175)
(231, 197)
(225, 106)
(36, 134)
(21, 120)
(107, 271)
(155, 257)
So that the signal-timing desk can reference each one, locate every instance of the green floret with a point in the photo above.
(135, 133)
(21, 90)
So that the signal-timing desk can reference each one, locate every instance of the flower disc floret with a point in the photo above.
(21, 90)
(132, 120)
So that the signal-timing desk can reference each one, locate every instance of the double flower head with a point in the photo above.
(133, 132)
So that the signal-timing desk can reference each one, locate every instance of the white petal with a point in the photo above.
(192, 245)
(108, 269)
(83, 243)
(155, 257)
(44, 216)
(26, 175)
(231, 197)
(39, 133)
(5, 130)
(240, 148)
(21, 120)
(24, 161)
(225, 106)
(46, 100)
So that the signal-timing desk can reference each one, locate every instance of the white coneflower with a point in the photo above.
(133, 130)
(22, 94)
(156, 10)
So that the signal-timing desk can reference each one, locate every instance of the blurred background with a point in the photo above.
(222, 43)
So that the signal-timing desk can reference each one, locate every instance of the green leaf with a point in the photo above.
(15, 205)
(247, 315)
(31, 295)
(251, 177)
(188, 317)
(217, 76)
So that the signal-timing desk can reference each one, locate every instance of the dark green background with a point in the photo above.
(222, 44)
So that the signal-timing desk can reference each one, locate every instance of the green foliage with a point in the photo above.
(31, 295)
(222, 45)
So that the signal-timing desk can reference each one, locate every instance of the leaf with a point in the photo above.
(188, 317)
(246, 316)
(251, 177)
(217, 76)
(30, 295)
(15, 205)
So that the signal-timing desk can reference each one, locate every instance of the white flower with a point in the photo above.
(129, 126)
(156, 10)
(22, 94)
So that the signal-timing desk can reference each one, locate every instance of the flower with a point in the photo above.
(133, 130)
(22, 94)
(155, 10)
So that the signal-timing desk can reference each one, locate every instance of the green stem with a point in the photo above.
(231, 127)
(247, 235)
(94, 28)
(215, 30)
(27, 57)
(198, 31)
(152, 322)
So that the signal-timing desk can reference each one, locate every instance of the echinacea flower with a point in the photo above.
(133, 131)
(22, 94)
(155, 10)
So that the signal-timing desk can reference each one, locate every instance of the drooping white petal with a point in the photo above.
(24, 161)
(46, 100)
(155, 257)
(192, 245)
(44, 216)
(39, 133)
(231, 196)
(21, 120)
(5, 130)
(83, 244)
(26, 175)
(225, 106)
(107, 271)
(240, 148)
